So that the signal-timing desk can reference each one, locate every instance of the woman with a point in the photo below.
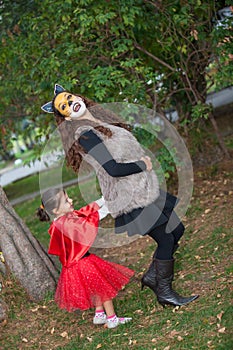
(129, 185)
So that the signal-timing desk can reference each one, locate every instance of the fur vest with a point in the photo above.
(123, 194)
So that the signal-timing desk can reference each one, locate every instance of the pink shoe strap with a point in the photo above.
(111, 317)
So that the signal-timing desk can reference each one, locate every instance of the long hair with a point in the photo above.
(73, 149)
(49, 201)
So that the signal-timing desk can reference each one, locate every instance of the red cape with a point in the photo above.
(74, 233)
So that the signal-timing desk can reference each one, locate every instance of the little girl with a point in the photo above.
(86, 281)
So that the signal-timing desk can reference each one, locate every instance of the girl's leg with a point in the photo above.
(109, 308)
(100, 316)
(99, 308)
(112, 319)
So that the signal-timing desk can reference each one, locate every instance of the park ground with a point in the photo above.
(203, 266)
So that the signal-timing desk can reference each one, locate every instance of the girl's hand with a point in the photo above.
(148, 163)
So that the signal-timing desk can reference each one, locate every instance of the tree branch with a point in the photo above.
(137, 46)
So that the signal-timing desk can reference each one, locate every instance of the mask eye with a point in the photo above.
(69, 97)
(63, 107)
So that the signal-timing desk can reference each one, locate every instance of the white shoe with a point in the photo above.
(99, 319)
(114, 322)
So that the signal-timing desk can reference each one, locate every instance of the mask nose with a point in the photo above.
(70, 103)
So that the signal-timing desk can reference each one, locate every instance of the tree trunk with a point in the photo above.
(3, 310)
(24, 257)
(219, 137)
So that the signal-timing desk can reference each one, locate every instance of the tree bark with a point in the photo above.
(3, 310)
(219, 137)
(24, 257)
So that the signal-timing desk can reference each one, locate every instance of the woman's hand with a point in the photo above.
(148, 163)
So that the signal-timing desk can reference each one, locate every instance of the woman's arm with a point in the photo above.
(94, 146)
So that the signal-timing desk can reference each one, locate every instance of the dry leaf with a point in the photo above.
(153, 310)
(36, 309)
(167, 348)
(140, 312)
(194, 33)
(52, 330)
(173, 334)
(176, 308)
(222, 330)
(64, 335)
(153, 340)
(89, 339)
(179, 338)
(25, 340)
(219, 316)
(207, 211)
(99, 346)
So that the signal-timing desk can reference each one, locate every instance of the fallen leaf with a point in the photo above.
(52, 330)
(89, 339)
(99, 346)
(176, 308)
(25, 340)
(222, 330)
(173, 333)
(197, 257)
(139, 311)
(167, 348)
(36, 309)
(64, 335)
(219, 316)
(179, 338)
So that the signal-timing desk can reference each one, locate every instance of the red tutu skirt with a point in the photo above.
(90, 282)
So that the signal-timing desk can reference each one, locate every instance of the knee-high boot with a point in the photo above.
(165, 293)
(149, 277)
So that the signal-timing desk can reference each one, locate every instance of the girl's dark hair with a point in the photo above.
(49, 201)
(73, 149)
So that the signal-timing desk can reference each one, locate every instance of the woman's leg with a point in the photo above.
(166, 246)
(160, 274)
(166, 241)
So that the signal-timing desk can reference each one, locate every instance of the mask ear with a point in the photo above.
(58, 89)
(48, 108)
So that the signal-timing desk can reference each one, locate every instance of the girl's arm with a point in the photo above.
(94, 146)
(103, 210)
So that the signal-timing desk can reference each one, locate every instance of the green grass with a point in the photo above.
(195, 326)
(203, 265)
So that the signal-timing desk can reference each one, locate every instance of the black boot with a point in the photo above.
(164, 291)
(149, 277)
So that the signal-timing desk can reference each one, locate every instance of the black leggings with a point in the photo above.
(166, 241)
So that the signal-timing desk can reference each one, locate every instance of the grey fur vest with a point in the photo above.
(123, 194)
